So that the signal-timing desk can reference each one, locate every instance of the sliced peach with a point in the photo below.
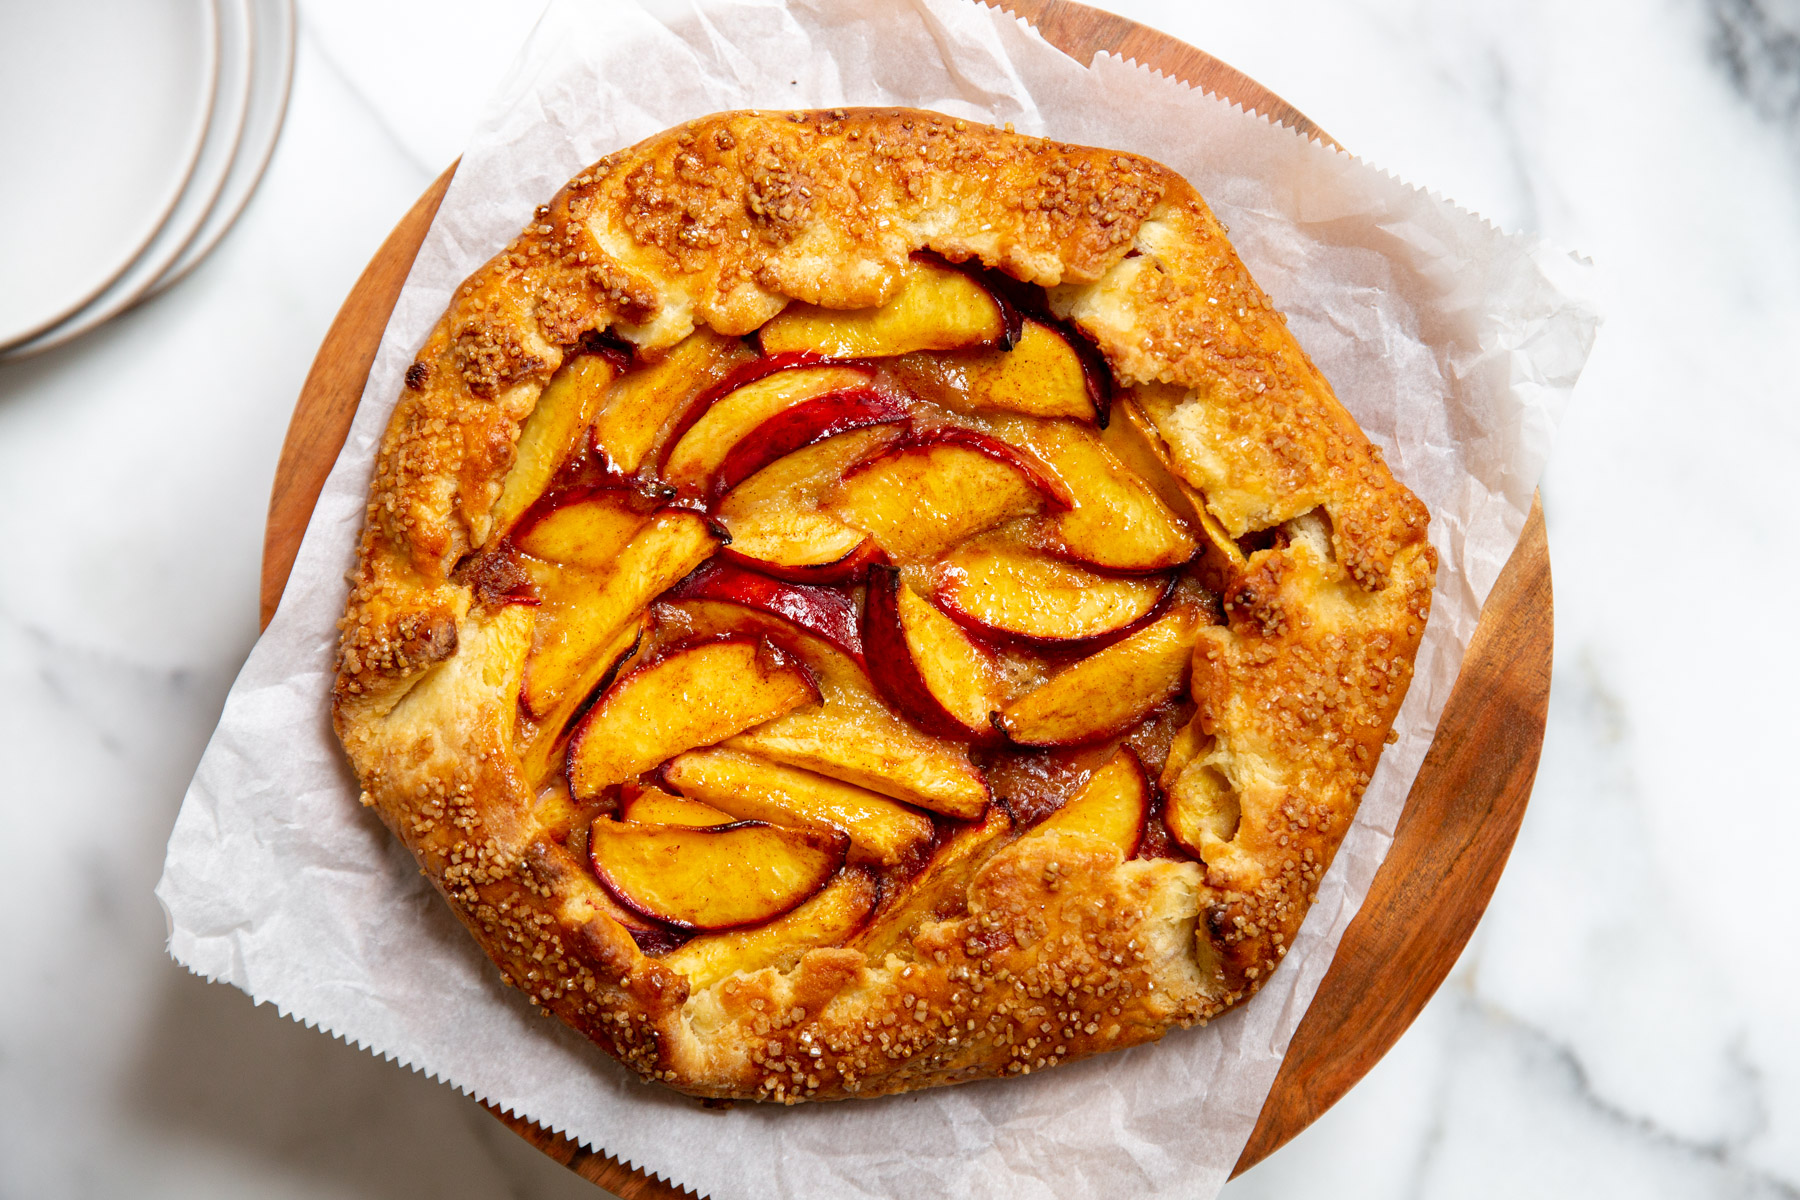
(925, 665)
(1117, 522)
(542, 755)
(823, 611)
(1134, 441)
(754, 789)
(644, 400)
(586, 612)
(825, 920)
(848, 567)
(746, 372)
(884, 756)
(1189, 743)
(1111, 807)
(1041, 376)
(689, 463)
(1020, 595)
(691, 696)
(701, 619)
(941, 884)
(852, 736)
(804, 424)
(557, 814)
(926, 493)
(1202, 809)
(802, 547)
(1052, 374)
(589, 529)
(936, 308)
(1100, 695)
(553, 429)
(724, 878)
(653, 806)
(775, 520)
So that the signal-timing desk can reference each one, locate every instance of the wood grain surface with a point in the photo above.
(1461, 817)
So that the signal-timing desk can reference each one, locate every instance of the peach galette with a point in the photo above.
(855, 601)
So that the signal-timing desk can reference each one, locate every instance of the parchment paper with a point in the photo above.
(1453, 344)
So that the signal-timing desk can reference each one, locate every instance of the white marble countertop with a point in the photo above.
(1622, 1023)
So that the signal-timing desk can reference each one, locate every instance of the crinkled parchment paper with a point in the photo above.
(1453, 344)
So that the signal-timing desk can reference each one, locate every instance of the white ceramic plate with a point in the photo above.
(220, 148)
(106, 105)
(271, 77)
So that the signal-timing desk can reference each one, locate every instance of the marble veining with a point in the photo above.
(1622, 1022)
(1758, 41)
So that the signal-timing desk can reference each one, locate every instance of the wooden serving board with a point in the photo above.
(1461, 817)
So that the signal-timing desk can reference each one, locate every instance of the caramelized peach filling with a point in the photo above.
(827, 615)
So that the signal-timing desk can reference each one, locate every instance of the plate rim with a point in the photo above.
(204, 184)
(233, 201)
(201, 123)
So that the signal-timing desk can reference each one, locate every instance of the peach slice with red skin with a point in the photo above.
(643, 401)
(872, 753)
(703, 618)
(1013, 594)
(823, 611)
(827, 919)
(587, 528)
(539, 758)
(585, 613)
(851, 736)
(747, 368)
(776, 523)
(1111, 807)
(1043, 375)
(691, 460)
(934, 489)
(848, 567)
(1109, 690)
(555, 425)
(1135, 442)
(752, 789)
(937, 307)
(807, 422)
(1116, 521)
(925, 665)
(693, 695)
(707, 879)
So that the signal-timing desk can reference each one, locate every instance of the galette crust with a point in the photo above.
(1062, 950)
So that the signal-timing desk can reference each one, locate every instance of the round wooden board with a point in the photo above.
(1461, 817)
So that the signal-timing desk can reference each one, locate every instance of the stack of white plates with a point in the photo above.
(132, 133)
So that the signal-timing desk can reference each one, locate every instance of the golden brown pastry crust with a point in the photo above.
(1063, 950)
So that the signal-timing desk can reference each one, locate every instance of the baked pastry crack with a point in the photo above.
(855, 601)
